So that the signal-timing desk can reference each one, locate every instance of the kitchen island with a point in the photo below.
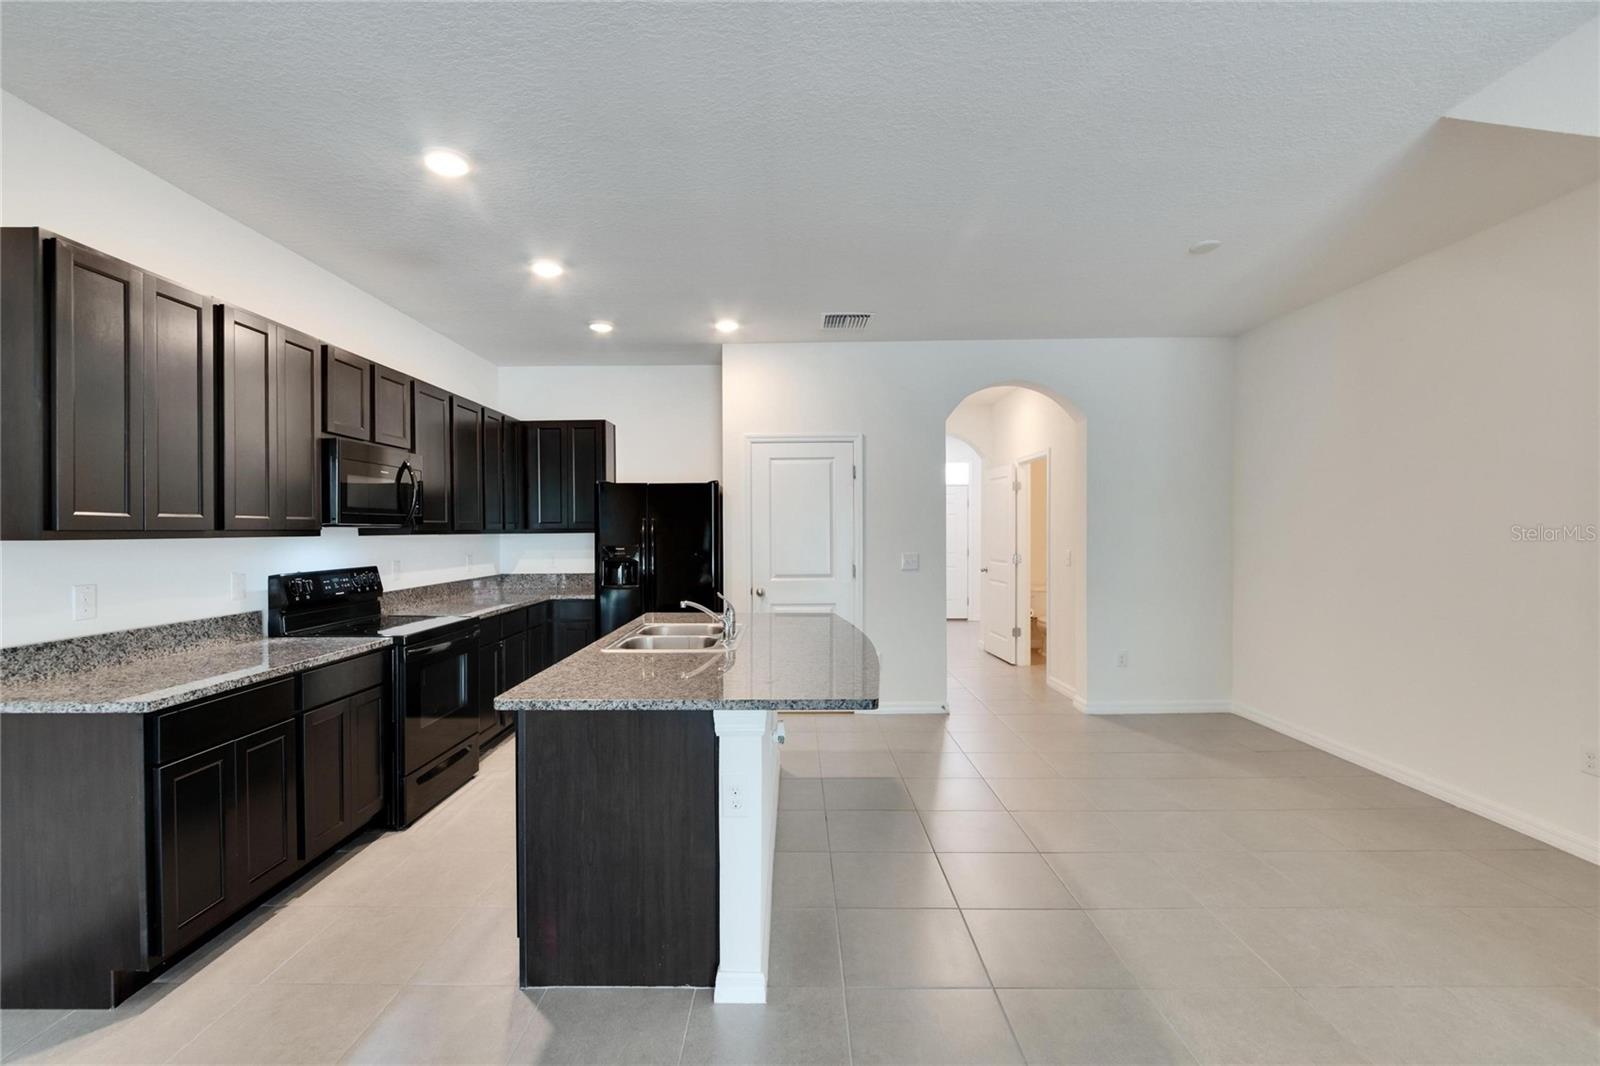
(647, 798)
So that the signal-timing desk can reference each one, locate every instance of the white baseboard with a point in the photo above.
(739, 986)
(1509, 817)
(1055, 684)
(1152, 706)
(907, 707)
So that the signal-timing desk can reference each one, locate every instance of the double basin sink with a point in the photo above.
(671, 636)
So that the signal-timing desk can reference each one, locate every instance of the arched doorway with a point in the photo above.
(1022, 635)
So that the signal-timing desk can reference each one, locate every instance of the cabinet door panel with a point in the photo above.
(326, 756)
(194, 818)
(268, 791)
(494, 513)
(299, 458)
(391, 407)
(489, 668)
(346, 394)
(466, 448)
(249, 432)
(546, 494)
(514, 660)
(516, 511)
(432, 421)
(583, 471)
(179, 409)
(98, 370)
(365, 772)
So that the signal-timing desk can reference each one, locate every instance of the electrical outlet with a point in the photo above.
(394, 567)
(1591, 762)
(236, 585)
(1067, 561)
(469, 559)
(85, 602)
(735, 796)
(1122, 658)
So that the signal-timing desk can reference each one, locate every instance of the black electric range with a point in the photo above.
(431, 742)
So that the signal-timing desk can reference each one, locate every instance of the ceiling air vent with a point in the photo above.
(845, 321)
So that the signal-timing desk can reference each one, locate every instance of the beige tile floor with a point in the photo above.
(1013, 882)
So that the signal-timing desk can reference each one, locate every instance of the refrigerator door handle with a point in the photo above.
(650, 539)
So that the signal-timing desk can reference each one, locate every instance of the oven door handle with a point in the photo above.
(444, 647)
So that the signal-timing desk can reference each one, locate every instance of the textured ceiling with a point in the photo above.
(960, 170)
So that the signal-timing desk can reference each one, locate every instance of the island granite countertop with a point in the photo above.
(778, 662)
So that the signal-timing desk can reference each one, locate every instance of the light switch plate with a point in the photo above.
(236, 585)
(910, 561)
(85, 602)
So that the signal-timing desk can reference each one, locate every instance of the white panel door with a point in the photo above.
(955, 551)
(802, 527)
(998, 607)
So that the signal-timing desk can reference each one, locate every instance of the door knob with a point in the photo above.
(761, 592)
(983, 569)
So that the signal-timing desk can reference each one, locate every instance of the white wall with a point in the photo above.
(669, 428)
(52, 176)
(1157, 416)
(1388, 440)
(957, 450)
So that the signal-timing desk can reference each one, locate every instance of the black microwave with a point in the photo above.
(369, 485)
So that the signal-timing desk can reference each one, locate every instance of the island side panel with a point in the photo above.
(617, 847)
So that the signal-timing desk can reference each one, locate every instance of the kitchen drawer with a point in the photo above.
(489, 629)
(338, 680)
(199, 726)
(513, 621)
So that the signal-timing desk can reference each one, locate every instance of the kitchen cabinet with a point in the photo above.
(572, 627)
(226, 817)
(342, 766)
(466, 465)
(564, 461)
(432, 429)
(516, 519)
(494, 492)
(267, 434)
(98, 369)
(346, 394)
(180, 483)
(489, 670)
(391, 408)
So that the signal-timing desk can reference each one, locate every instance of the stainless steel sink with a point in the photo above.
(667, 642)
(681, 629)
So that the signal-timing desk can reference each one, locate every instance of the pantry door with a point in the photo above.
(805, 526)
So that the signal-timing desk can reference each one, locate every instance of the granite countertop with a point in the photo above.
(159, 681)
(779, 662)
(481, 597)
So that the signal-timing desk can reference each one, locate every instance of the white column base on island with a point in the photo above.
(747, 827)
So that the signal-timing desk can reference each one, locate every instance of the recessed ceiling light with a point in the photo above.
(547, 268)
(600, 325)
(1202, 247)
(727, 325)
(445, 163)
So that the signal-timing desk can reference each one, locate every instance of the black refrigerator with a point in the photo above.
(656, 545)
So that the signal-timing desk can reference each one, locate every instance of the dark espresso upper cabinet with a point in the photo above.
(267, 436)
(391, 408)
(346, 394)
(180, 439)
(98, 369)
(432, 430)
(299, 455)
(466, 462)
(494, 465)
(564, 461)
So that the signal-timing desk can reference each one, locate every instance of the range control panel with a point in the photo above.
(315, 587)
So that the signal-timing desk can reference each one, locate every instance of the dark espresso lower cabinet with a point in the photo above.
(127, 838)
(227, 829)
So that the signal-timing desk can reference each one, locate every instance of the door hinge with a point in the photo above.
(852, 569)
(1016, 631)
(1016, 560)
(1016, 486)
(852, 471)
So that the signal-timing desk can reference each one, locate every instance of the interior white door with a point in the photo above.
(956, 558)
(802, 527)
(998, 607)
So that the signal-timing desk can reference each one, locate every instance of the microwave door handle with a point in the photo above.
(416, 493)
